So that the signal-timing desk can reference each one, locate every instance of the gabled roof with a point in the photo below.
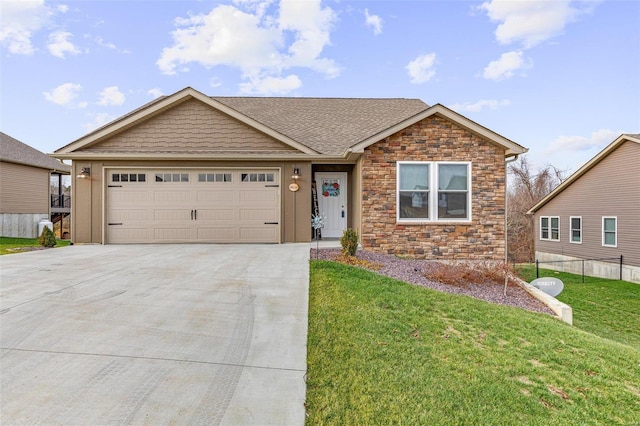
(14, 151)
(328, 125)
(511, 148)
(635, 138)
(332, 127)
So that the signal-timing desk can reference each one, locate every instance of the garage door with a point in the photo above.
(180, 206)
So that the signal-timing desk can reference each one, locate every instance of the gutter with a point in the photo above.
(507, 160)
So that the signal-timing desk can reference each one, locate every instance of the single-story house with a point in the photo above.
(595, 214)
(25, 195)
(411, 178)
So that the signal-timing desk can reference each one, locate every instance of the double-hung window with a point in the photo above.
(430, 191)
(609, 231)
(576, 229)
(550, 228)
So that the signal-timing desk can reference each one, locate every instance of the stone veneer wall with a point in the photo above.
(434, 139)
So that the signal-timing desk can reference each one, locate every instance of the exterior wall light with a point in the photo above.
(296, 174)
(85, 173)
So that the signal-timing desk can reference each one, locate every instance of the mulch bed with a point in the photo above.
(415, 272)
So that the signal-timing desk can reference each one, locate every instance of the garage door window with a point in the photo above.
(172, 177)
(258, 177)
(128, 177)
(214, 177)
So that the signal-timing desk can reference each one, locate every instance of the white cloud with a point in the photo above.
(62, 8)
(532, 22)
(111, 96)
(226, 36)
(271, 85)
(155, 92)
(65, 95)
(421, 69)
(215, 82)
(598, 140)
(18, 21)
(311, 26)
(508, 64)
(259, 42)
(98, 120)
(373, 21)
(59, 44)
(482, 104)
(107, 45)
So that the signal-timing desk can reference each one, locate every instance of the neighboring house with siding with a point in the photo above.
(595, 214)
(414, 179)
(25, 175)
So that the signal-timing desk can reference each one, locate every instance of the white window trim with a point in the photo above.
(550, 233)
(433, 193)
(615, 231)
(571, 229)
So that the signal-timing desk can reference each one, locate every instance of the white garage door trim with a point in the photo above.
(187, 205)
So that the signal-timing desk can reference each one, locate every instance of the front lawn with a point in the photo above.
(381, 351)
(9, 245)
(607, 308)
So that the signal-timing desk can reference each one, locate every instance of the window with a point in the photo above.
(609, 231)
(214, 177)
(172, 177)
(550, 228)
(418, 199)
(128, 177)
(576, 229)
(258, 177)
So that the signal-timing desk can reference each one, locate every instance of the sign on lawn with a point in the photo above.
(550, 285)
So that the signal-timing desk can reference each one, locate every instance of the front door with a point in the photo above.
(332, 202)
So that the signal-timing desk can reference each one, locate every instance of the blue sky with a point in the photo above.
(557, 76)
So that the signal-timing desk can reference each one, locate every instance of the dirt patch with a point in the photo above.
(23, 249)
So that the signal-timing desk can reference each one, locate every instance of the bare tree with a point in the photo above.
(526, 188)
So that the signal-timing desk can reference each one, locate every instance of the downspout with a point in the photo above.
(506, 212)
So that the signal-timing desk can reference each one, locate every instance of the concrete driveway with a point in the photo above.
(154, 334)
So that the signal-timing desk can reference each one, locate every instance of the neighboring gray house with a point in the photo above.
(595, 214)
(25, 198)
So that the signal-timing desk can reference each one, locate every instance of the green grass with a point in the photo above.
(381, 351)
(607, 308)
(10, 245)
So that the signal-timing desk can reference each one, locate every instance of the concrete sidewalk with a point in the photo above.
(154, 334)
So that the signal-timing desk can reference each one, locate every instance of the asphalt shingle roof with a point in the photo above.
(14, 151)
(327, 125)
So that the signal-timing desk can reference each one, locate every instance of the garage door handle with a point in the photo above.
(195, 214)
(119, 223)
(191, 214)
(272, 186)
(271, 223)
(114, 186)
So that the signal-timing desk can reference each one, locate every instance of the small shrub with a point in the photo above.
(349, 241)
(465, 273)
(47, 239)
(356, 261)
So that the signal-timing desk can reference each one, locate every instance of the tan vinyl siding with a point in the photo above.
(23, 189)
(191, 127)
(88, 196)
(610, 188)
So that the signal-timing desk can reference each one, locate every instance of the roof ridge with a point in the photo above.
(315, 97)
